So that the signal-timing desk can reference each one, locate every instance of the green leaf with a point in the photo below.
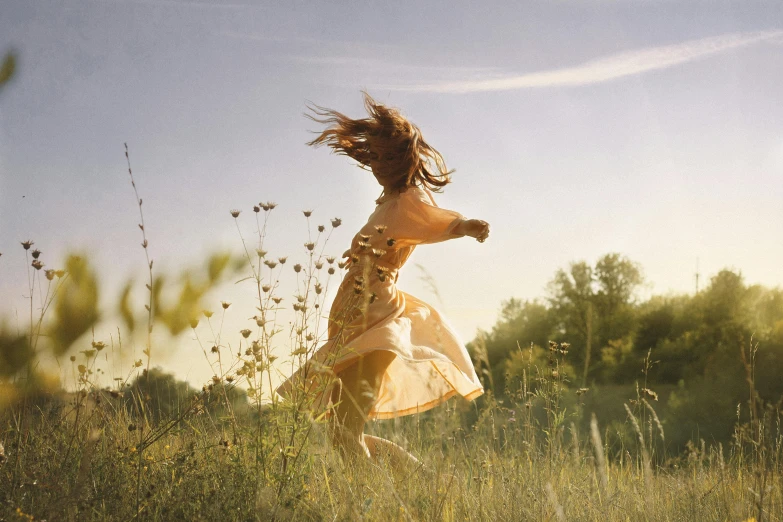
(8, 68)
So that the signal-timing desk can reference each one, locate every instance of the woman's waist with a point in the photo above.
(375, 270)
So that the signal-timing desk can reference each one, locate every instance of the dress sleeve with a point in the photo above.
(420, 220)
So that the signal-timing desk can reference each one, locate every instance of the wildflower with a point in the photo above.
(230, 378)
(261, 253)
(35, 253)
(364, 237)
(49, 274)
(555, 374)
(259, 322)
(582, 391)
(319, 265)
(318, 288)
(235, 213)
(266, 288)
(307, 213)
(382, 273)
(342, 264)
(336, 222)
(331, 270)
(300, 298)
(373, 297)
(207, 313)
(193, 323)
(651, 394)
(297, 268)
(256, 209)
(299, 351)
(270, 264)
(98, 345)
(264, 206)
(330, 259)
(215, 379)
(37, 264)
(27, 244)
(138, 364)
(297, 307)
(277, 299)
(132, 427)
(381, 229)
(321, 228)
(225, 304)
(245, 333)
(59, 273)
(552, 346)
(272, 205)
(390, 241)
(310, 337)
(363, 244)
(377, 252)
(310, 246)
(282, 260)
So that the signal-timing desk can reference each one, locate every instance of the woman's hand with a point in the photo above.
(474, 228)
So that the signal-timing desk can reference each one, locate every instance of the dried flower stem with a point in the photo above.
(150, 305)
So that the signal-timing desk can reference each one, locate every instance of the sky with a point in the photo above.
(652, 128)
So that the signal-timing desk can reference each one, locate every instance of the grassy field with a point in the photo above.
(87, 456)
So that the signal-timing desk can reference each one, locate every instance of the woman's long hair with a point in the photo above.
(396, 144)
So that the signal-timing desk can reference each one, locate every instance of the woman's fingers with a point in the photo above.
(483, 232)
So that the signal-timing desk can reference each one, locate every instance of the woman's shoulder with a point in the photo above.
(420, 193)
(416, 192)
(413, 192)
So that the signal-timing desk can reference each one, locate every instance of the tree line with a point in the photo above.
(702, 352)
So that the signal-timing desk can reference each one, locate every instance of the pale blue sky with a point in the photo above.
(577, 128)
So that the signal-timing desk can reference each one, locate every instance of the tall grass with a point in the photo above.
(234, 450)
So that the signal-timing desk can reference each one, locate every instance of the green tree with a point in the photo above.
(595, 305)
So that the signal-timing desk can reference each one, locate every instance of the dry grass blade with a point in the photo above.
(552, 496)
(600, 460)
(643, 448)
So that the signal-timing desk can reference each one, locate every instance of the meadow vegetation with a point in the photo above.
(597, 405)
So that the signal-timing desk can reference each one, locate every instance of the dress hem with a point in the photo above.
(383, 415)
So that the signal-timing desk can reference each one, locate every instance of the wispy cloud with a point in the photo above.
(603, 69)
(341, 55)
(395, 68)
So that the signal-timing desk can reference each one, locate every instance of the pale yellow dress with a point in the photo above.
(369, 313)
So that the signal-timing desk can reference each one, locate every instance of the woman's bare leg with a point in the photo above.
(381, 449)
(355, 397)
